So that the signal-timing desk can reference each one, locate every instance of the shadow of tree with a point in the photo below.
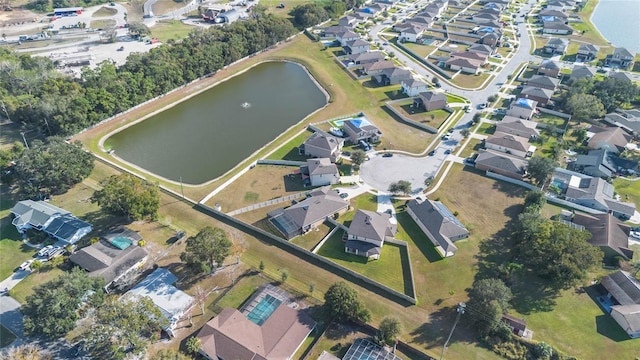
(435, 331)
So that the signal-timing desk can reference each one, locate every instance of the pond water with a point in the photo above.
(207, 135)
(617, 21)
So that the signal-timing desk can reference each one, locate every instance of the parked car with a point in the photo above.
(467, 109)
(387, 155)
(635, 234)
(26, 265)
(483, 105)
(432, 152)
(344, 195)
(45, 250)
(447, 152)
(364, 145)
(346, 153)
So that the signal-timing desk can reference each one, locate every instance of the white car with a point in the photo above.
(635, 234)
(45, 250)
(26, 265)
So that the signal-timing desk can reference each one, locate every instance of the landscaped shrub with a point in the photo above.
(510, 350)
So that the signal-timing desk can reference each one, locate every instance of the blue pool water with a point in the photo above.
(359, 122)
(261, 312)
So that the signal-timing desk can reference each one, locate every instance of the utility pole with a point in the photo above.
(460, 310)
(4, 108)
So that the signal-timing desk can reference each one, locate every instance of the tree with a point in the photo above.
(584, 107)
(193, 345)
(138, 29)
(580, 134)
(402, 186)
(123, 327)
(389, 329)
(128, 195)
(534, 201)
(540, 168)
(543, 351)
(51, 310)
(312, 287)
(284, 275)
(465, 132)
(341, 302)
(52, 168)
(26, 352)
(206, 250)
(557, 251)
(357, 158)
(261, 266)
(36, 265)
(487, 290)
(476, 117)
(307, 15)
(170, 354)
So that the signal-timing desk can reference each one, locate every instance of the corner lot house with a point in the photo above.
(322, 145)
(510, 144)
(438, 224)
(361, 129)
(320, 172)
(622, 301)
(173, 303)
(469, 66)
(302, 217)
(607, 233)
(413, 87)
(357, 46)
(392, 76)
(270, 327)
(110, 261)
(430, 101)
(367, 233)
(56, 222)
(503, 164)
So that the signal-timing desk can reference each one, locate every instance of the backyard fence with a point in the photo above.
(267, 203)
(280, 162)
(310, 257)
(422, 126)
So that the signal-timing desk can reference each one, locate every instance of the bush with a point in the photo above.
(510, 350)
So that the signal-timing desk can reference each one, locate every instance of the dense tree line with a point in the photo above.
(589, 99)
(314, 13)
(36, 95)
(129, 196)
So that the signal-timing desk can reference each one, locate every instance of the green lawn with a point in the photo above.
(6, 336)
(628, 190)
(241, 291)
(387, 270)
(25, 287)
(473, 146)
(486, 129)
(105, 11)
(550, 119)
(12, 251)
(102, 24)
(167, 30)
(470, 81)
(289, 151)
(421, 50)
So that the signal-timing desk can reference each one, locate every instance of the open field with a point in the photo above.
(104, 11)
(470, 81)
(102, 24)
(432, 118)
(162, 7)
(171, 29)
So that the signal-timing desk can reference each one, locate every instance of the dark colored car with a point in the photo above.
(387, 155)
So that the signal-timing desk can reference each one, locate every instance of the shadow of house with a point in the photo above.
(621, 298)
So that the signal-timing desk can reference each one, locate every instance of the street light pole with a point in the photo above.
(460, 310)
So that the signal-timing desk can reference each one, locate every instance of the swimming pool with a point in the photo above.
(261, 312)
(121, 242)
(358, 122)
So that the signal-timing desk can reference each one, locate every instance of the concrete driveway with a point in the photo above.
(11, 317)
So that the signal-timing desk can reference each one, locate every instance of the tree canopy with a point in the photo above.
(590, 99)
(170, 354)
(52, 309)
(52, 167)
(400, 187)
(389, 329)
(534, 201)
(341, 302)
(128, 195)
(540, 168)
(488, 300)
(123, 327)
(556, 251)
(585, 107)
(138, 29)
(206, 250)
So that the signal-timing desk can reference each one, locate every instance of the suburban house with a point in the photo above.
(465, 65)
(322, 145)
(111, 261)
(510, 144)
(410, 33)
(366, 57)
(490, 39)
(471, 55)
(357, 46)
(438, 224)
(270, 327)
(333, 31)
(430, 100)
(367, 232)
(517, 326)
(376, 68)
(556, 46)
(481, 49)
(556, 27)
(392, 76)
(345, 36)
(607, 233)
(586, 52)
(54, 221)
(549, 68)
(559, 5)
(544, 82)
(522, 108)
(174, 304)
(581, 72)
(558, 15)
(413, 87)
(361, 129)
(613, 139)
(304, 216)
(348, 20)
(486, 15)
(364, 349)
(622, 300)
(516, 126)
(591, 192)
(501, 163)
(621, 58)
(620, 75)
(320, 172)
(540, 95)
(626, 119)
(597, 163)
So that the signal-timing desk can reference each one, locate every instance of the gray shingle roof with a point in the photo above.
(35, 213)
(442, 225)
(606, 230)
(371, 225)
(623, 287)
(107, 261)
(502, 162)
